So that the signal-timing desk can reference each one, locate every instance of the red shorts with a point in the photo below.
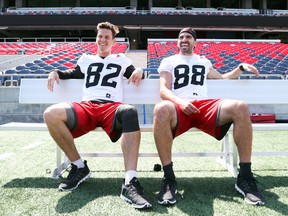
(206, 120)
(91, 115)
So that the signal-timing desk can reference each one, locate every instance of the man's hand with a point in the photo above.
(53, 76)
(187, 107)
(250, 68)
(136, 76)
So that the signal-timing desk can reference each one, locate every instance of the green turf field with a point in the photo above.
(205, 188)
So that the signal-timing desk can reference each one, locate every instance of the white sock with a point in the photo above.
(79, 163)
(130, 174)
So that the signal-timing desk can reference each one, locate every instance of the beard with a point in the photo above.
(187, 50)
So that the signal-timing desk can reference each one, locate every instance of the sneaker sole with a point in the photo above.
(144, 206)
(81, 181)
(167, 202)
(258, 203)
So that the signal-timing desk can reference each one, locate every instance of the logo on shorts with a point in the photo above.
(108, 95)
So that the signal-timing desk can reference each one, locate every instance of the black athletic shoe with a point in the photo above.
(248, 188)
(167, 192)
(75, 177)
(133, 194)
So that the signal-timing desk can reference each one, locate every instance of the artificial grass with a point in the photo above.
(205, 188)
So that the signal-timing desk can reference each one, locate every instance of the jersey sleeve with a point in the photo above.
(126, 64)
(129, 71)
(165, 66)
(126, 61)
(207, 61)
(71, 74)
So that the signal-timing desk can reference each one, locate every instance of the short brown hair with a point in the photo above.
(108, 25)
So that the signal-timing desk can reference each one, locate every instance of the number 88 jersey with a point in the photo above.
(103, 76)
(189, 75)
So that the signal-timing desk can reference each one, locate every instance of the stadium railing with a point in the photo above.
(69, 10)
(34, 91)
(220, 11)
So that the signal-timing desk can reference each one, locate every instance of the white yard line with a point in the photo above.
(6, 155)
(32, 145)
(27, 147)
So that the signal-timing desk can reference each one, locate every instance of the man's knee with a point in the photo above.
(56, 112)
(127, 117)
(241, 108)
(49, 114)
(164, 109)
(235, 107)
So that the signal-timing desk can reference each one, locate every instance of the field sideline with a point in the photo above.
(205, 188)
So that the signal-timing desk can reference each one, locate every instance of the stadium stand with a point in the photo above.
(204, 11)
(13, 79)
(60, 56)
(280, 12)
(130, 10)
(269, 56)
(69, 10)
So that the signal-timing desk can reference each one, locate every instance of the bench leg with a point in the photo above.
(60, 167)
(226, 160)
(235, 158)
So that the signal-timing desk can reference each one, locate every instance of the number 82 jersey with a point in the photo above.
(189, 75)
(103, 76)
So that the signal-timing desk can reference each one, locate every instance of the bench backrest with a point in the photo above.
(34, 91)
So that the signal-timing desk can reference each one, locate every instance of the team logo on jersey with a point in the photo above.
(108, 95)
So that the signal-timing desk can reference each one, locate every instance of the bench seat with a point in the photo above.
(34, 91)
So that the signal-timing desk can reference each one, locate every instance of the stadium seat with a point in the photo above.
(29, 64)
(274, 77)
(20, 67)
(48, 68)
(14, 79)
(41, 73)
(26, 73)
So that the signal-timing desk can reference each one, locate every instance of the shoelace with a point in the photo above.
(72, 173)
(137, 187)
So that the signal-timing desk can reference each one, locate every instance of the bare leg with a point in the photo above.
(165, 119)
(131, 190)
(55, 118)
(238, 112)
(130, 143)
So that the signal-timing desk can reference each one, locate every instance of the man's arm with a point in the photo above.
(69, 74)
(166, 94)
(134, 75)
(234, 74)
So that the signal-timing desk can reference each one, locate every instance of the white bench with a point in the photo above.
(34, 91)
